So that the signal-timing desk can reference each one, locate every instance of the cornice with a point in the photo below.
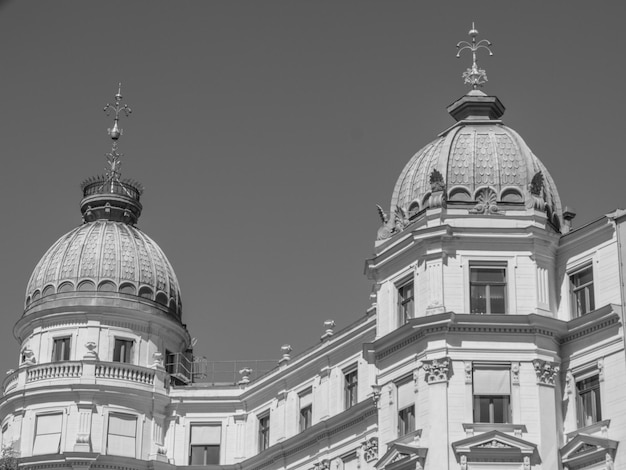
(450, 323)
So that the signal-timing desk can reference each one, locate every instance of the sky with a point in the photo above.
(265, 133)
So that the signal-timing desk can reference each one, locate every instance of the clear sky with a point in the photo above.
(265, 133)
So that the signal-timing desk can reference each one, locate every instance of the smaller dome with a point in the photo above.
(479, 163)
(106, 256)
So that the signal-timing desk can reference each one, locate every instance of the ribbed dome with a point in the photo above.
(479, 164)
(106, 256)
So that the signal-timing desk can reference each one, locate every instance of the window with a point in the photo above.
(588, 401)
(264, 432)
(122, 435)
(204, 444)
(406, 297)
(406, 407)
(350, 388)
(306, 409)
(123, 350)
(350, 462)
(581, 283)
(488, 288)
(61, 349)
(47, 434)
(492, 394)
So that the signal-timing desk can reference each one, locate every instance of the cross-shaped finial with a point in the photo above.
(115, 132)
(474, 76)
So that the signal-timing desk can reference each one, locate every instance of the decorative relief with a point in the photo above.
(437, 370)
(601, 369)
(28, 356)
(91, 353)
(322, 465)
(487, 204)
(463, 462)
(391, 225)
(494, 444)
(515, 368)
(570, 383)
(468, 372)
(370, 449)
(547, 372)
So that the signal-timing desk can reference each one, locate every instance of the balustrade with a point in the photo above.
(54, 370)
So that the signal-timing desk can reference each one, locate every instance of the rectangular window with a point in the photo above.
(406, 302)
(406, 407)
(350, 462)
(306, 409)
(488, 288)
(588, 401)
(264, 432)
(61, 349)
(492, 394)
(123, 350)
(351, 383)
(122, 435)
(204, 444)
(47, 434)
(581, 284)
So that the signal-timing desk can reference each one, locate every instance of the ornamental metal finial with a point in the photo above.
(474, 76)
(113, 157)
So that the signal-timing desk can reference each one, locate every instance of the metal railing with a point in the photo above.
(192, 369)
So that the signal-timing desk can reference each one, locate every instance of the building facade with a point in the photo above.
(494, 340)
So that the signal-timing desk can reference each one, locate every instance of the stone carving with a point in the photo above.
(515, 368)
(601, 369)
(494, 444)
(91, 353)
(547, 372)
(370, 449)
(286, 350)
(487, 204)
(157, 360)
(463, 462)
(399, 456)
(322, 465)
(537, 198)
(330, 326)
(436, 181)
(468, 372)
(391, 224)
(245, 375)
(570, 383)
(437, 370)
(526, 462)
(28, 356)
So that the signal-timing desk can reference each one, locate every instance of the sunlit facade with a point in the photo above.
(494, 339)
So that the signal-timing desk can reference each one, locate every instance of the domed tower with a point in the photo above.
(102, 314)
(466, 292)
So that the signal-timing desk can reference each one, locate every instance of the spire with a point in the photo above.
(474, 76)
(108, 196)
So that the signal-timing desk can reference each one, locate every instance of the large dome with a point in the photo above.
(478, 158)
(106, 256)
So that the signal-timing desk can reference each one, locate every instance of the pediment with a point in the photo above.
(586, 450)
(401, 454)
(494, 446)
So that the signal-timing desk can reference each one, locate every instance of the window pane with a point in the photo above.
(497, 299)
(583, 277)
(488, 275)
(478, 299)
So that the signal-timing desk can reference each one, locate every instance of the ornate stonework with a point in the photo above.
(547, 372)
(437, 370)
(370, 449)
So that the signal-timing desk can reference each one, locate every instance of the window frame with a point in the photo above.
(575, 290)
(306, 411)
(493, 265)
(116, 413)
(594, 392)
(128, 354)
(405, 305)
(406, 415)
(264, 431)
(350, 387)
(66, 349)
(205, 446)
(60, 413)
(479, 398)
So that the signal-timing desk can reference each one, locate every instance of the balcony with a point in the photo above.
(85, 372)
